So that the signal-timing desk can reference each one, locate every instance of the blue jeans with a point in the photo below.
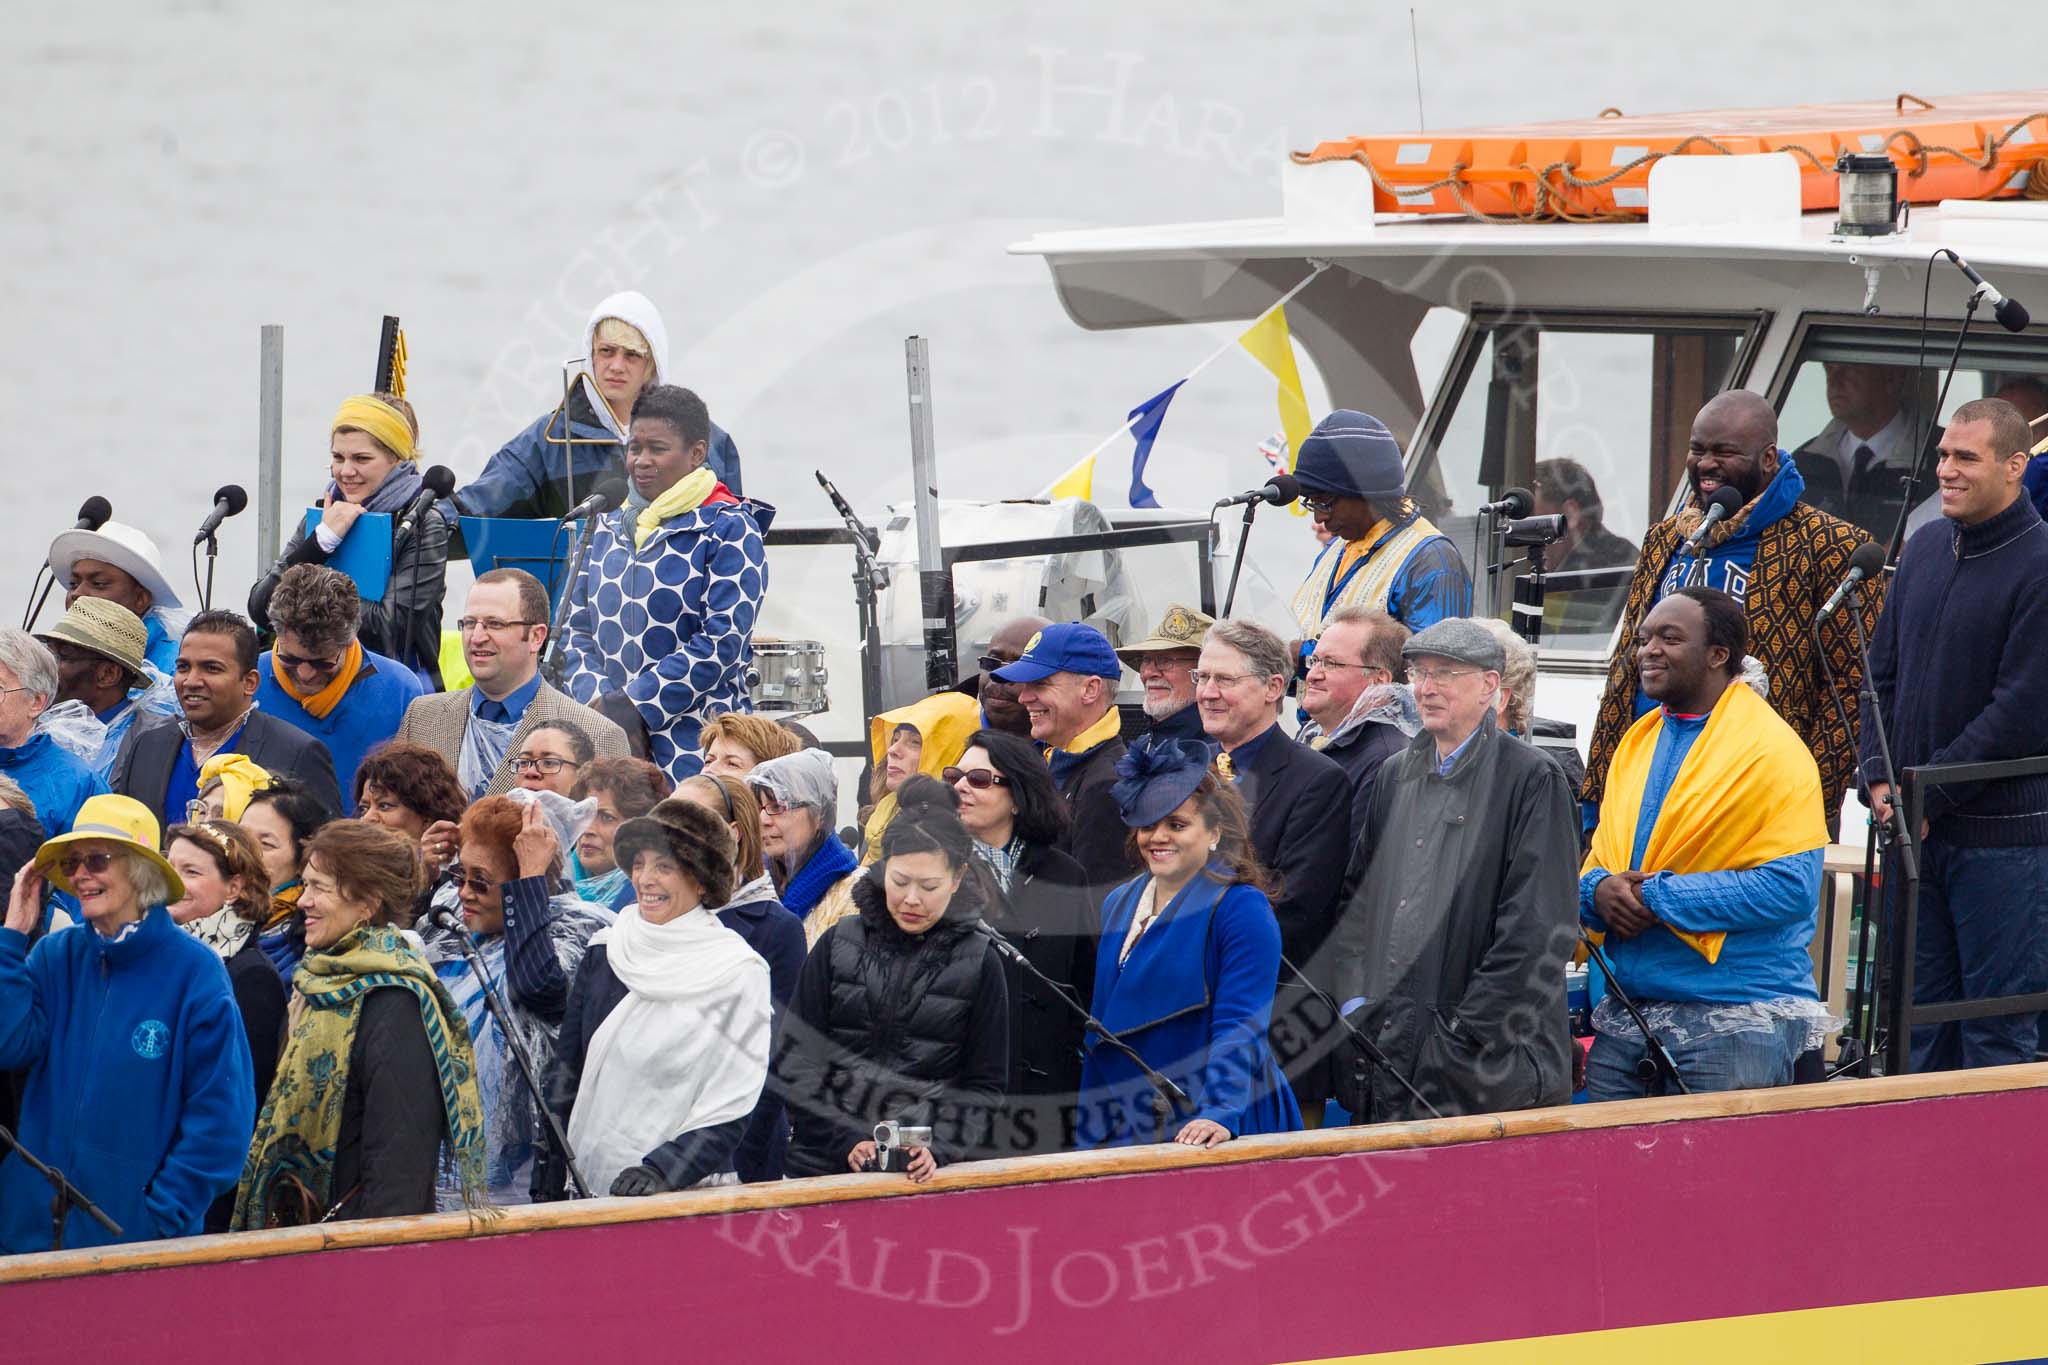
(1983, 932)
(1728, 1061)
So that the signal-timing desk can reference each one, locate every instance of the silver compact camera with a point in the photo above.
(894, 1142)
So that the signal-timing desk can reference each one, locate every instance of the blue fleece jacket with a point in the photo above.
(368, 713)
(140, 1087)
(1960, 667)
(1767, 911)
(55, 779)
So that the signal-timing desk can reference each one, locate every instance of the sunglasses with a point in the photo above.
(293, 663)
(473, 879)
(1319, 502)
(981, 779)
(991, 662)
(95, 863)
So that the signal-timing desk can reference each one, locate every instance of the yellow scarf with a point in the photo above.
(945, 721)
(319, 705)
(384, 423)
(239, 780)
(1101, 732)
(686, 494)
(1748, 792)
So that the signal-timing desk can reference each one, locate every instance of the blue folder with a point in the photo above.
(365, 553)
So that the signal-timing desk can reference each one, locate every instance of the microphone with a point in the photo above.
(2011, 313)
(609, 494)
(845, 511)
(1866, 562)
(1725, 503)
(93, 514)
(440, 482)
(1279, 490)
(1514, 504)
(228, 501)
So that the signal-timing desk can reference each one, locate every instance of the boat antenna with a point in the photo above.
(1415, 53)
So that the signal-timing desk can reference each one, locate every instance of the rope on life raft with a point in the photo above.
(1549, 186)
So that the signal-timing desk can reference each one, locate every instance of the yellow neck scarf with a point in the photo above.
(322, 703)
(1747, 792)
(1101, 732)
(686, 494)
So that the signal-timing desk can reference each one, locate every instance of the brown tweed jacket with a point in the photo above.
(1799, 560)
(438, 719)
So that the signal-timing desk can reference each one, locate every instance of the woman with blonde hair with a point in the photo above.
(738, 742)
(373, 446)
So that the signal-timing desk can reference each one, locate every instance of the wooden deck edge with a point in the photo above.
(1391, 1137)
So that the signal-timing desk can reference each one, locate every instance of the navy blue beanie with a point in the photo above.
(1353, 455)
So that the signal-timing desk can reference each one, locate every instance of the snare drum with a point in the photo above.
(788, 678)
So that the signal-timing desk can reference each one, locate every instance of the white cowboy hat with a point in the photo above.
(122, 546)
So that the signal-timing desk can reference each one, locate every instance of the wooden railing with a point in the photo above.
(1126, 1161)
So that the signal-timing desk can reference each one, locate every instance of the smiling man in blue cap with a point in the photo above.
(1382, 552)
(1066, 681)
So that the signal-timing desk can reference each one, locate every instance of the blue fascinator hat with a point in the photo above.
(1155, 775)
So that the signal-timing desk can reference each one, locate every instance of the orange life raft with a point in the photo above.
(1956, 147)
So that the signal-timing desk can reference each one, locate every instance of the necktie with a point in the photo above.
(1860, 464)
(1224, 766)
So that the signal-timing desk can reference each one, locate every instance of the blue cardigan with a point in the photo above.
(1194, 1000)
(368, 714)
(140, 1087)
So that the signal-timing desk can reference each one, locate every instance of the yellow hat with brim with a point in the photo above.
(112, 820)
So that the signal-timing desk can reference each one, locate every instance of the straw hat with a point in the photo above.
(114, 820)
(122, 546)
(106, 628)
(1181, 628)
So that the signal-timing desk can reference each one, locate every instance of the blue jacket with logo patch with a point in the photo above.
(140, 1087)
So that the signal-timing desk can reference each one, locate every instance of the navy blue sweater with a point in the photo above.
(1960, 666)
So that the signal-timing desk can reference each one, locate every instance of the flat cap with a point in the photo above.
(1459, 638)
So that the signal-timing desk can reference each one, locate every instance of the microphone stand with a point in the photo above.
(502, 1012)
(212, 553)
(39, 593)
(67, 1197)
(1244, 535)
(1657, 1069)
(1168, 1099)
(551, 667)
(1366, 1045)
(870, 580)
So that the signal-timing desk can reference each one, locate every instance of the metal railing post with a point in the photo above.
(270, 450)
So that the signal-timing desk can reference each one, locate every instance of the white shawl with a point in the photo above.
(686, 1049)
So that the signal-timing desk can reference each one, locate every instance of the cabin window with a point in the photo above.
(1589, 411)
(1861, 385)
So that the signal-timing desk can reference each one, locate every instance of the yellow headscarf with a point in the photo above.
(386, 424)
(946, 721)
(239, 780)
(1748, 792)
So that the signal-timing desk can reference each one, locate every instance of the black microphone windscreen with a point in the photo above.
(95, 511)
(234, 495)
(614, 491)
(1286, 488)
(2012, 315)
(440, 480)
(1869, 557)
(1728, 499)
(1520, 503)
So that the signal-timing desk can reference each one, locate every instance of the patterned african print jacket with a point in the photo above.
(1800, 558)
(670, 625)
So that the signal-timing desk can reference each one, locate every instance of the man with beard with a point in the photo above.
(1000, 709)
(1165, 664)
(1777, 556)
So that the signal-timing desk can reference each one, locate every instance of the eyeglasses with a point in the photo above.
(474, 879)
(490, 625)
(1440, 675)
(1324, 661)
(546, 763)
(981, 779)
(991, 662)
(1319, 502)
(1201, 679)
(197, 810)
(294, 663)
(10, 691)
(95, 863)
(768, 804)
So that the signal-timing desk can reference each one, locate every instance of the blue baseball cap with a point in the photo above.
(1065, 648)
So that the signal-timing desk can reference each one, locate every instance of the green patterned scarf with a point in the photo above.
(289, 1175)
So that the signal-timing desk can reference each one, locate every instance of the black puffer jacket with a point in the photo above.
(890, 1026)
